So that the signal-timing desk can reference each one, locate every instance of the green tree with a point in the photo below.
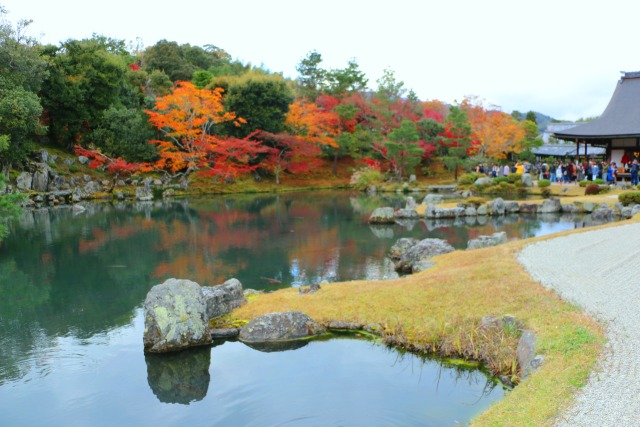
(22, 71)
(345, 80)
(456, 140)
(517, 115)
(402, 148)
(389, 88)
(311, 77)
(262, 100)
(86, 77)
(159, 83)
(125, 132)
(531, 116)
(179, 62)
(202, 78)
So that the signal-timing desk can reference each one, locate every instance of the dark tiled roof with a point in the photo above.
(620, 119)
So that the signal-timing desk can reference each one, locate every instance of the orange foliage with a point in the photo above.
(187, 117)
(313, 124)
(497, 132)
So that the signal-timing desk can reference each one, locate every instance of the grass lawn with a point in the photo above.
(439, 310)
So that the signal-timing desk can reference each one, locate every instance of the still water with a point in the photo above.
(72, 285)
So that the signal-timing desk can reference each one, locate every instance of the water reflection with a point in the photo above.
(64, 273)
(180, 377)
(362, 383)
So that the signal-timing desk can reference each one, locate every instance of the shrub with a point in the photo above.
(544, 183)
(467, 178)
(584, 183)
(362, 178)
(514, 178)
(475, 201)
(598, 181)
(546, 192)
(629, 198)
(501, 188)
(499, 179)
(591, 189)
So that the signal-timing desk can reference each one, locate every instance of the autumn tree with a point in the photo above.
(288, 153)
(498, 134)
(187, 118)
(313, 124)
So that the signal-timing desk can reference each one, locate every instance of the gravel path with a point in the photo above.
(599, 271)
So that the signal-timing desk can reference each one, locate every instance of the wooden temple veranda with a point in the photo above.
(618, 128)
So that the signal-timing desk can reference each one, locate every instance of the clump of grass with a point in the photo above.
(227, 321)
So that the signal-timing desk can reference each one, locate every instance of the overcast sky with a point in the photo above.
(562, 58)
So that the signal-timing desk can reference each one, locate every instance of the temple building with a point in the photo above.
(618, 128)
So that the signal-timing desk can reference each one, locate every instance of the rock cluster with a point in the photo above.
(413, 256)
(54, 188)
(177, 313)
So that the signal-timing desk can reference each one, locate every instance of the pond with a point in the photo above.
(73, 283)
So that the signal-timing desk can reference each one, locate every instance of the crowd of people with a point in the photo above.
(566, 172)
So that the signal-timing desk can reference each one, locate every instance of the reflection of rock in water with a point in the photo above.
(275, 346)
(181, 377)
(381, 231)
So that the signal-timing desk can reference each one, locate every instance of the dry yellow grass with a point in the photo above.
(441, 306)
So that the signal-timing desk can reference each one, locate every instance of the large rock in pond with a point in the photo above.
(175, 317)
(550, 206)
(382, 216)
(406, 214)
(290, 325)
(221, 299)
(400, 247)
(496, 207)
(411, 260)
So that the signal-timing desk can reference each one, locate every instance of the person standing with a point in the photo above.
(506, 170)
(611, 173)
(594, 171)
(633, 170)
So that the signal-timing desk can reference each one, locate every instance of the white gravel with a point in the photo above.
(599, 271)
